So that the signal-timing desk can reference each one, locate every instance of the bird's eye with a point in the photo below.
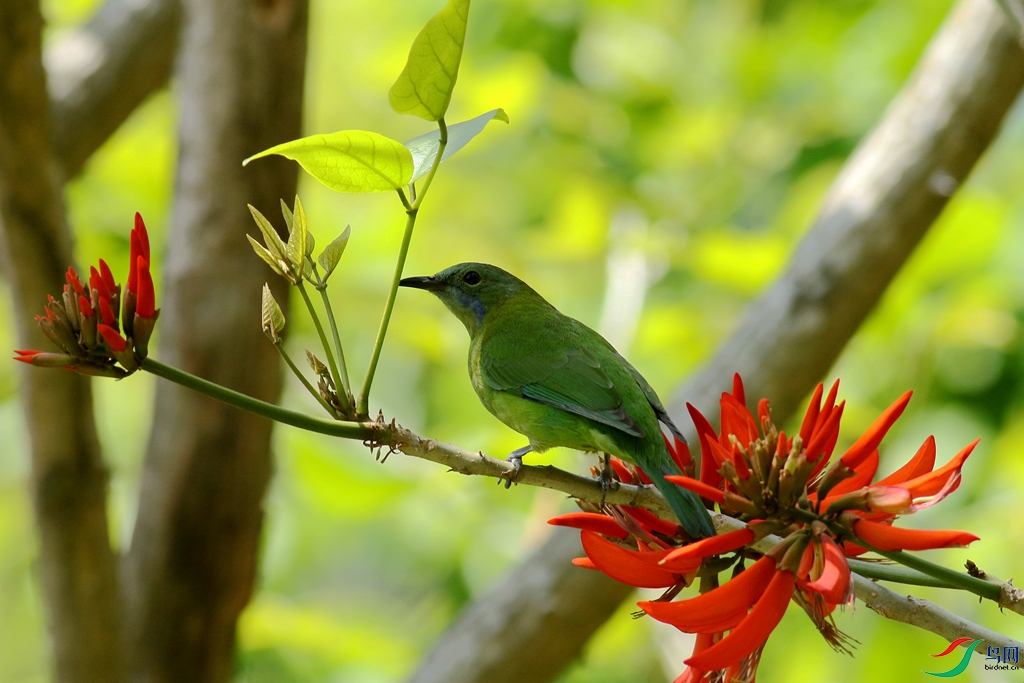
(472, 278)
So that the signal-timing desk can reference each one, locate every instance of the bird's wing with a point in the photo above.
(571, 380)
(652, 398)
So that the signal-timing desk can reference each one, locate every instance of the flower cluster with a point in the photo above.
(825, 510)
(96, 328)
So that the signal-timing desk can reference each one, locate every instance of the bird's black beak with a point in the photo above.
(421, 282)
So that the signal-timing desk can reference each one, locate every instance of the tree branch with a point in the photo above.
(101, 72)
(69, 480)
(920, 613)
(890, 191)
(589, 490)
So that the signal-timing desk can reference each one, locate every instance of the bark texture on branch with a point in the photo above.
(77, 566)
(911, 610)
(99, 73)
(194, 550)
(889, 193)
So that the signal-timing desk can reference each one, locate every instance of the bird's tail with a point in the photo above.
(691, 512)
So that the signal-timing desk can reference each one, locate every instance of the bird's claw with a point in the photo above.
(516, 458)
(607, 478)
(510, 477)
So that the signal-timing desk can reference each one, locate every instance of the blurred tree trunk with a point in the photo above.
(192, 564)
(194, 551)
(77, 566)
(890, 191)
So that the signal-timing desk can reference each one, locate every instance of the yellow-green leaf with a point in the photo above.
(273, 317)
(425, 86)
(274, 264)
(287, 213)
(297, 239)
(332, 252)
(349, 160)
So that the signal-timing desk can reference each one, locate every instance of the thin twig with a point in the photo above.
(323, 340)
(305, 382)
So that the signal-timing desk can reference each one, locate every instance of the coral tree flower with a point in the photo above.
(85, 326)
(826, 508)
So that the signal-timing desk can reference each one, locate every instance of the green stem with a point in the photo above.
(411, 211)
(950, 576)
(346, 430)
(888, 572)
(363, 409)
(442, 142)
(323, 342)
(337, 343)
(305, 382)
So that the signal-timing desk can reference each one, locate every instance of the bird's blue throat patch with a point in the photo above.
(472, 303)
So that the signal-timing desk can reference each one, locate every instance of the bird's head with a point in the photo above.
(472, 290)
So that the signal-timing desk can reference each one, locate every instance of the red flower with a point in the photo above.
(828, 510)
(84, 323)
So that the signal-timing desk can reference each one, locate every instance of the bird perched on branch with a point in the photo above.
(556, 381)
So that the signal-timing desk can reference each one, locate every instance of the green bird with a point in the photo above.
(558, 382)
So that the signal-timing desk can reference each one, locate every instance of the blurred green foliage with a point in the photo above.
(695, 137)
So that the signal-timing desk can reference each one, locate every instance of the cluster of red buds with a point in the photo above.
(85, 323)
(782, 486)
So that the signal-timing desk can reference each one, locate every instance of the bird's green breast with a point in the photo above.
(547, 426)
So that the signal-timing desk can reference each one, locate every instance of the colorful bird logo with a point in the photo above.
(959, 668)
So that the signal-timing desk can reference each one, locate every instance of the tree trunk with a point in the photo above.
(69, 479)
(194, 550)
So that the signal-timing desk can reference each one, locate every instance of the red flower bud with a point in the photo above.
(107, 276)
(106, 313)
(85, 307)
(115, 341)
(72, 278)
(139, 247)
(140, 229)
(146, 306)
(97, 282)
(26, 356)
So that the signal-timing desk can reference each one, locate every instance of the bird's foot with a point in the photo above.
(516, 458)
(607, 478)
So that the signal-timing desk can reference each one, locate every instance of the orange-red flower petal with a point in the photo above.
(590, 521)
(751, 633)
(931, 483)
(922, 463)
(811, 416)
(623, 565)
(870, 439)
(835, 574)
(708, 467)
(722, 603)
(699, 487)
(653, 522)
(714, 545)
(887, 537)
(737, 421)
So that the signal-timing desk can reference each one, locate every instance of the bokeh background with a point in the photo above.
(663, 159)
